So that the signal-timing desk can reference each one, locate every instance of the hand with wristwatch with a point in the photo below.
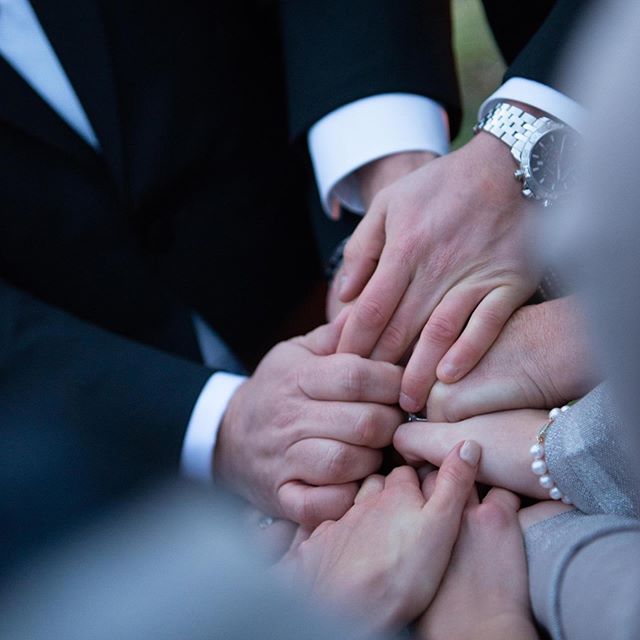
(442, 257)
(542, 147)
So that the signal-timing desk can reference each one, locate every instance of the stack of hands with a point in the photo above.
(426, 314)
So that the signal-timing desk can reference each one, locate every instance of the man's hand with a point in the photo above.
(306, 427)
(505, 437)
(382, 173)
(484, 594)
(440, 257)
(541, 359)
(372, 178)
(383, 561)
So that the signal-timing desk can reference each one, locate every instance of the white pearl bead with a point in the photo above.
(546, 481)
(555, 493)
(554, 413)
(537, 451)
(539, 467)
(566, 500)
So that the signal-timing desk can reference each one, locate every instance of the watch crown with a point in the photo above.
(518, 174)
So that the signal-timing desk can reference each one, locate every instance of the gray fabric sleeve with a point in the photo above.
(584, 576)
(587, 457)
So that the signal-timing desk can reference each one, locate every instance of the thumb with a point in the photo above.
(454, 483)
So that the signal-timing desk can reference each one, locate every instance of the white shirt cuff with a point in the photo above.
(540, 96)
(196, 460)
(366, 130)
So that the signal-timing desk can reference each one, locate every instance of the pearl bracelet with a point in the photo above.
(539, 465)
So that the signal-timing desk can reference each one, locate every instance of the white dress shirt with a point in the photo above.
(369, 129)
(340, 143)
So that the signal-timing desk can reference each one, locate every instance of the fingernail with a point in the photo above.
(450, 372)
(470, 452)
(408, 403)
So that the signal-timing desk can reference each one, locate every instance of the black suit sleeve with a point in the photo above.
(337, 52)
(85, 416)
(541, 56)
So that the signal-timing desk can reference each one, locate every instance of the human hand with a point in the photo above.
(372, 178)
(272, 536)
(484, 593)
(379, 174)
(441, 256)
(300, 433)
(541, 359)
(505, 438)
(383, 561)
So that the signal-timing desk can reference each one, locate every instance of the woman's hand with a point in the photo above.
(383, 561)
(484, 593)
(541, 359)
(505, 438)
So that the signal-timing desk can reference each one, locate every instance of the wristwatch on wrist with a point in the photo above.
(542, 147)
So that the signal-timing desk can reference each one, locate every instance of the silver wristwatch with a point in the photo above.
(542, 147)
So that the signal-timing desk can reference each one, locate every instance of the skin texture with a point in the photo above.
(541, 359)
(372, 178)
(484, 593)
(505, 437)
(306, 427)
(440, 257)
(383, 561)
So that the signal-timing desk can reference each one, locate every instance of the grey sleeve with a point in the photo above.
(587, 457)
(584, 576)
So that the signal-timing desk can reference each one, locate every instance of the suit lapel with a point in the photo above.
(21, 107)
(76, 30)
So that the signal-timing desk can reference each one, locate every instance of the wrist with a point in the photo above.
(224, 453)
(376, 175)
(493, 160)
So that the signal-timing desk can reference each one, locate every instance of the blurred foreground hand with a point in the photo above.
(383, 561)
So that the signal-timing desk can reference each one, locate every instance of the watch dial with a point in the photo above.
(552, 161)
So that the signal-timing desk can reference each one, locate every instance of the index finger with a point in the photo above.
(375, 306)
(348, 378)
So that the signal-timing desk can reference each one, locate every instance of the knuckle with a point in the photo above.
(493, 317)
(409, 249)
(440, 329)
(454, 476)
(369, 313)
(365, 427)
(354, 379)
(442, 402)
(394, 339)
(339, 459)
(490, 515)
(307, 509)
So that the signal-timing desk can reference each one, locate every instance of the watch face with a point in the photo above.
(551, 163)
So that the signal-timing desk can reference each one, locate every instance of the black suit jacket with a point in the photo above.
(199, 199)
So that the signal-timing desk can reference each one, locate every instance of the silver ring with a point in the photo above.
(412, 417)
